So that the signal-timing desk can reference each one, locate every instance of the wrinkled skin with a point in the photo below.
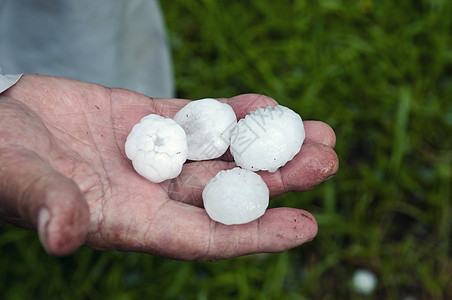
(63, 172)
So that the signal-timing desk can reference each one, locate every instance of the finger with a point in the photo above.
(34, 195)
(316, 131)
(278, 230)
(314, 164)
(246, 103)
(180, 231)
(168, 107)
(319, 132)
(242, 104)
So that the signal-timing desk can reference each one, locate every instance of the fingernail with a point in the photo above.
(43, 221)
(310, 240)
(329, 177)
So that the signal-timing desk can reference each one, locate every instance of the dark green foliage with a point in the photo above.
(380, 73)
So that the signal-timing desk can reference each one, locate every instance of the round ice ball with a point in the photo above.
(235, 196)
(267, 138)
(207, 123)
(364, 281)
(157, 147)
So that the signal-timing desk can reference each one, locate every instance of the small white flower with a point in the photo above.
(157, 147)
(364, 281)
(235, 196)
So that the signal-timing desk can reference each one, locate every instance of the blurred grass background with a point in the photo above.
(380, 73)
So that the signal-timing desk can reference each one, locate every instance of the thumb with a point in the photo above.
(34, 195)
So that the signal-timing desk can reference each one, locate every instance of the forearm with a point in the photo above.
(7, 212)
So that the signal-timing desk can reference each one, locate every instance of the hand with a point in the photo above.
(63, 171)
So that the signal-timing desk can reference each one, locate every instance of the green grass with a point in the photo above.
(380, 73)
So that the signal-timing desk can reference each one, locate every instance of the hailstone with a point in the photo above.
(267, 138)
(364, 281)
(207, 123)
(235, 196)
(157, 147)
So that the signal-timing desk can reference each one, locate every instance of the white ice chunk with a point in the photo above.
(267, 138)
(207, 123)
(157, 147)
(235, 196)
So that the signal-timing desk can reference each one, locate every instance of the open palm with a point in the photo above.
(63, 171)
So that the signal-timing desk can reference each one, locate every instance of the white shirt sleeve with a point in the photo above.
(7, 81)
